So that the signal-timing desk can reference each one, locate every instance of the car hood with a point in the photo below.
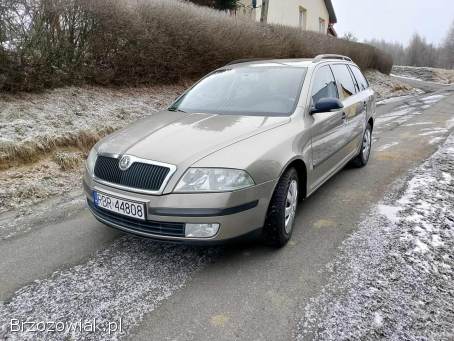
(177, 137)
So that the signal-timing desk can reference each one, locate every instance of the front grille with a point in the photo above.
(147, 226)
(139, 175)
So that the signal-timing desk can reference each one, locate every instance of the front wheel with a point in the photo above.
(280, 217)
(363, 157)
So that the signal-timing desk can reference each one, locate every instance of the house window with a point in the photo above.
(302, 18)
(322, 25)
(264, 14)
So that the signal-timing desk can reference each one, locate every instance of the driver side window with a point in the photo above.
(324, 85)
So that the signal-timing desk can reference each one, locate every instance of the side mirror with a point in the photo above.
(327, 105)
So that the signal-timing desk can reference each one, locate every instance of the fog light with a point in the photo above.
(201, 230)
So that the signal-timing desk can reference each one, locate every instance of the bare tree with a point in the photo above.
(350, 37)
(448, 49)
(396, 50)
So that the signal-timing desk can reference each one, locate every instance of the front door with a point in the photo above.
(328, 129)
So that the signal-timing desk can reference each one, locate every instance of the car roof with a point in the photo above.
(272, 62)
(293, 62)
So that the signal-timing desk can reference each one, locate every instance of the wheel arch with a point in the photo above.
(301, 169)
(371, 122)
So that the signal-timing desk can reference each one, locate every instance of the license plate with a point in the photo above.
(119, 205)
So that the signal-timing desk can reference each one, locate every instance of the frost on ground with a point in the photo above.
(34, 124)
(127, 280)
(40, 192)
(44, 138)
(426, 74)
(394, 277)
(386, 87)
(27, 185)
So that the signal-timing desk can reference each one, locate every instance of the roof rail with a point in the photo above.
(331, 56)
(246, 60)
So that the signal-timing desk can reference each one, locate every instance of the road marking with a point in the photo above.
(219, 320)
(321, 223)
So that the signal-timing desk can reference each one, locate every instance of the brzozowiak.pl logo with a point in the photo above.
(79, 326)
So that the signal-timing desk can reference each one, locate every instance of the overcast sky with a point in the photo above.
(394, 20)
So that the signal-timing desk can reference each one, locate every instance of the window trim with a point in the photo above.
(313, 78)
(359, 70)
(353, 79)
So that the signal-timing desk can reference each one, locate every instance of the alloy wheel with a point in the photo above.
(290, 205)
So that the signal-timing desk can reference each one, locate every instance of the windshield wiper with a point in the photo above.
(175, 109)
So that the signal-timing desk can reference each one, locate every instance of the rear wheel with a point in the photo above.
(280, 217)
(363, 157)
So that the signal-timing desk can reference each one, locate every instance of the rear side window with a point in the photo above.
(362, 81)
(324, 85)
(344, 79)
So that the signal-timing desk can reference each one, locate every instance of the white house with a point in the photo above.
(311, 15)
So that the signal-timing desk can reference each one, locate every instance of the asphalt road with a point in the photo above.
(244, 292)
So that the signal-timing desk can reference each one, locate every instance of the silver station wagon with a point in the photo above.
(236, 153)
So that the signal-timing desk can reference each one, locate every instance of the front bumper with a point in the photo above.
(238, 213)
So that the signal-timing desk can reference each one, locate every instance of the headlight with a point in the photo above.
(91, 160)
(213, 180)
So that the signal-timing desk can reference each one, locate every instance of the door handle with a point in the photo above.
(344, 116)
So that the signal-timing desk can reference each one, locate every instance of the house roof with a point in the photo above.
(332, 14)
(331, 30)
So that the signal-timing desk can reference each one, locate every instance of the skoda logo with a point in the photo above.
(125, 162)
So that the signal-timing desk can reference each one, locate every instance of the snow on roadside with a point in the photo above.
(393, 99)
(394, 277)
(386, 146)
(127, 280)
(387, 87)
(432, 99)
(408, 110)
(426, 74)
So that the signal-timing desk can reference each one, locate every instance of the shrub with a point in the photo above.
(118, 42)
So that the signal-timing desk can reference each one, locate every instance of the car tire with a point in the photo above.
(281, 214)
(363, 157)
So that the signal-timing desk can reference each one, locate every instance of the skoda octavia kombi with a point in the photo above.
(234, 154)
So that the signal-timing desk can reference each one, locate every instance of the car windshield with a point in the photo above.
(259, 90)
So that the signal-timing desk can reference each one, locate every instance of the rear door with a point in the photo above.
(355, 113)
(367, 95)
(327, 127)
